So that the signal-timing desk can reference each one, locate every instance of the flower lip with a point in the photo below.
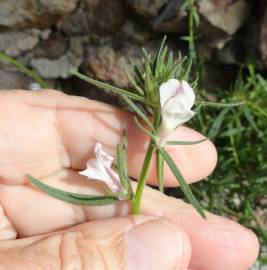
(99, 168)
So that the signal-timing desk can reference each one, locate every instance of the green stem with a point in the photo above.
(192, 49)
(142, 179)
(143, 175)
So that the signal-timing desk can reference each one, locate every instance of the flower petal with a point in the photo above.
(189, 93)
(172, 120)
(99, 168)
(102, 155)
(176, 105)
(168, 90)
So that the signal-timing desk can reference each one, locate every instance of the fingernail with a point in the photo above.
(157, 245)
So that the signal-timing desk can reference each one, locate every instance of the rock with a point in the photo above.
(75, 23)
(52, 48)
(263, 33)
(227, 15)
(15, 43)
(147, 8)
(17, 80)
(131, 31)
(13, 80)
(109, 61)
(62, 66)
(172, 19)
(31, 13)
(106, 17)
(57, 6)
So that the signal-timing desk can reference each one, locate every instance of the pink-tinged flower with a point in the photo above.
(176, 100)
(99, 168)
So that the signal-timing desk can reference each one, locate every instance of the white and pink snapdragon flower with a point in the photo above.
(176, 99)
(99, 168)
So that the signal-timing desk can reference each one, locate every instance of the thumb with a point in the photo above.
(138, 242)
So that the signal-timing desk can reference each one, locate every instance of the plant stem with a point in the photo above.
(192, 49)
(143, 175)
(142, 179)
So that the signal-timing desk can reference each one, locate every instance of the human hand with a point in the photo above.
(51, 135)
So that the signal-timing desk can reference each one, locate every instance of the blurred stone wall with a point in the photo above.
(98, 36)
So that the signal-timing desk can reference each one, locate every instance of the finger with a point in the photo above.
(139, 242)
(211, 239)
(55, 131)
(216, 239)
(104, 124)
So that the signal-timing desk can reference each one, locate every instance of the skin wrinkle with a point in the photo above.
(70, 257)
(61, 140)
(11, 226)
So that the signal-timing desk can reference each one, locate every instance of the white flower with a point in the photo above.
(99, 168)
(176, 100)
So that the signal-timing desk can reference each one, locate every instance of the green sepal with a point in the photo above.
(74, 198)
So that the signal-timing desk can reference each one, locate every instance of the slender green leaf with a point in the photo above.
(109, 87)
(138, 74)
(149, 82)
(155, 62)
(30, 73)
(121, 171)
(138, 89)
(185, 75)
(184, 186)
(124, 160)
(161, 62)
(139, 112)
(73, 198)
(185, 142)
(250, 118)
(196, 17)
(147, 132)
(219, 105)
(217, 123)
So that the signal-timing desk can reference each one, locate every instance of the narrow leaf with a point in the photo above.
(109, 87)
(155, 61)
(73, 198)
(184, 186)
(147, 132)
(217, 123)
(30, 73)
(250, 118)
(185, 142)
(185, 76)
(138, 89)
(139, 112)
(121, 171)
(217, 104)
